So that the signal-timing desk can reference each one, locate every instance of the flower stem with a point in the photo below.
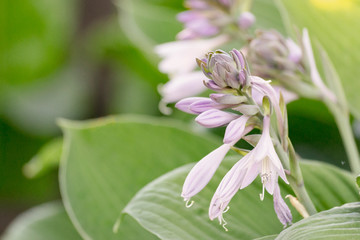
(290, 161)
(297, 182)
(342, 120)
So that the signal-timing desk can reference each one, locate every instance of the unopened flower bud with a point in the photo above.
(270, 54)
(246, 20)
(225, 70)
(227, 98)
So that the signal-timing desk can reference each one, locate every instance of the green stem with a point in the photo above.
(342, 120)
(297, 182)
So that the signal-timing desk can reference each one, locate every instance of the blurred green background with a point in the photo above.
(86, 59)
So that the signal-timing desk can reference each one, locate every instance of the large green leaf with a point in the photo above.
(159, 208)
(47, 221)
(333, 24)
(106, 161)
(341, 223)
(35, 36)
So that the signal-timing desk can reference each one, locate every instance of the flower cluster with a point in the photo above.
(272, 56)
(207, 18)
(242, 102)
(209, 24)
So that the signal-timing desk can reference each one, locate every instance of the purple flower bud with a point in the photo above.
(246, 20)
(226, 70)
(227, 98)
(235, 130)
(271, 54)
(184, 104)
(295, 53)
(247, 109)
(215, 118)
(212, 85)
(238, 58)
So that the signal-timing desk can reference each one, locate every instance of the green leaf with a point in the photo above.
(339, 223)
(332, 24)
(106, 161)
(358, 181)
(31, 49)
(269, 237)
(159, 208)
(267, 15)
(47, 221)
(45, 160)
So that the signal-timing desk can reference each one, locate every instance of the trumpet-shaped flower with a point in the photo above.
(263, 161)
(204, 170)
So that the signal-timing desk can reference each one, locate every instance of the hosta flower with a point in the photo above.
(242, 102)
(204, 170)
(262, 161)
(206, 18)
(225, 70)
(271, 54)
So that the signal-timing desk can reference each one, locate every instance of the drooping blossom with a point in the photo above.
(232, 105)
(262, 161)
(204, 170)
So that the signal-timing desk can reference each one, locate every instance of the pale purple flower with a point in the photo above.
(226, 190)
(263, 161)
(315, 76)
(215, 118)
(204, 19)
(266, 89)
(282, 210)
(197, 105)
(204, 170)
(227, 99)
(197, 28)
(225, 70)
(246, 20)
(287, 95)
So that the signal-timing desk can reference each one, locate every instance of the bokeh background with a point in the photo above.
(82, 59)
